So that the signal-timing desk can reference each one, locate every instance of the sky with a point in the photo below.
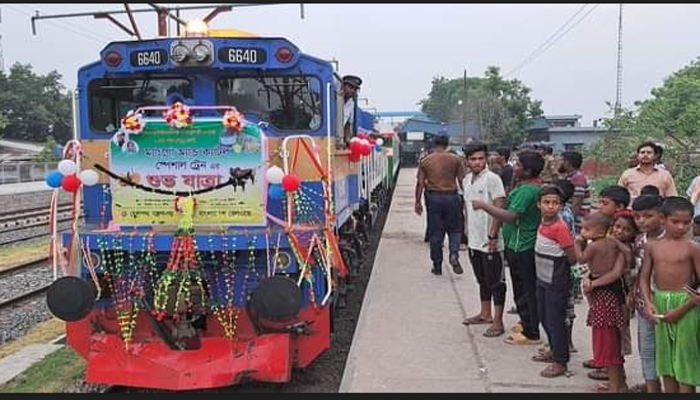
(398, 49)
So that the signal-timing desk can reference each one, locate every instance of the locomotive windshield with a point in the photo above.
(291, 103)
(111, 99)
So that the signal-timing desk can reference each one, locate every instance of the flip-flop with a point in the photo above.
(589, 364)
(543, 358)
(598, 375)
(494, 333)
(476, 321)
(553, 372)
(519, 339)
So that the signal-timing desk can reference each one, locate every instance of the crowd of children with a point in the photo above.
(631, 259)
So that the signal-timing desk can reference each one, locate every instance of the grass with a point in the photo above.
(52, 375)
(25, 252)
(40, 334)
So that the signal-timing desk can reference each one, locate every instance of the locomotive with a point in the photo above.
(224, 213)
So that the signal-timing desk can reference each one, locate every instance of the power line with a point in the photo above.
(80, 31)
(549, 39)
(554, 41)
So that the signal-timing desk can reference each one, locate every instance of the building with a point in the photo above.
(565, 133)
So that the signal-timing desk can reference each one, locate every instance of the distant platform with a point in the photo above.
(19, 188)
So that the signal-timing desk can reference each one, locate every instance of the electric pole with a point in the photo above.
(2, 59)
(464, 108)
(618, 101)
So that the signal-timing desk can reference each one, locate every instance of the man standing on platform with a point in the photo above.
(485, 243)
(648, 173)
(440, 175)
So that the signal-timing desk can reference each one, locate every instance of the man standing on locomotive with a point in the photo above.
(351, 85)
(441, 174)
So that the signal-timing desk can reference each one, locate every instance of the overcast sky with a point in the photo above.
(398, 49)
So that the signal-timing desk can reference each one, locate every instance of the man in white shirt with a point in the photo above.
(351, 85)
(485, 242)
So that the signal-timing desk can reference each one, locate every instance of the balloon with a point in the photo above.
(54, 179)
(366, 147)
(67, 167)
(276, 192)
(378, 148)
(291, 183)
(356, 146)
(275, 175)
(71, 183)
(89, 177)
(380, 142)
(355, 157)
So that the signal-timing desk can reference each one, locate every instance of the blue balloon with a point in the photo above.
(54, 179)
(378, 148)
(276, 192)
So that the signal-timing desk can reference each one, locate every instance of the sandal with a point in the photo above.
(590, 364)
(494, 332)
(598, 375)
(478, 320)
(519, 339)
(601, 389)
(554, 371)
(543, 358)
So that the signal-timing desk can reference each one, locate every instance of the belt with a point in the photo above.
(442, 192)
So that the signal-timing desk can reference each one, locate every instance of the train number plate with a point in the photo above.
(149, 58)
(246, 56)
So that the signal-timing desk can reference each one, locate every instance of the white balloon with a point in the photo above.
(67, 167)
(275, 175)
(89, 177)
(380, 142)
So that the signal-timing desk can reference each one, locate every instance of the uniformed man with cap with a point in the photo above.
(351, 85)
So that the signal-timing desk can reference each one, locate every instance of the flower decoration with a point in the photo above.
(233, 121)
(178, 116)
(133, 123)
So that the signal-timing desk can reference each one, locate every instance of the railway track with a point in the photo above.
(31, 292)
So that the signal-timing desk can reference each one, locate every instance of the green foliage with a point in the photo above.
(671, 117)
(48, 153)
(34, 106)
(503, 108)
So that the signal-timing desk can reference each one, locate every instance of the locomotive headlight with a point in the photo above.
(283, 261)
(201, 53)
(180, 53)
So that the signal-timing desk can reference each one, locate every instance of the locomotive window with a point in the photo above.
(111, 99)
(292, 103)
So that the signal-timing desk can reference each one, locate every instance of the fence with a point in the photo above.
(24, 172)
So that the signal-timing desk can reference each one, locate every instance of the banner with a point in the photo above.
(200, 156)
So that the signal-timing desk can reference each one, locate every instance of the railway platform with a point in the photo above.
(410, 336)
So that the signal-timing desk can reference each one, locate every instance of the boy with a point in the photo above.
(606, 296)
(554, 254)
(647, 215)
(613, 200)
(484, 241)
(674, 262)
(567, 215)
(696, 229)
(520, 222)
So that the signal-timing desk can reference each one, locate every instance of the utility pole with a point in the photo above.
(464, 108)
(2, 59)
(618, 101)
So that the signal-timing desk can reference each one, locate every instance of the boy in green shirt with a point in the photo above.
(521, 218)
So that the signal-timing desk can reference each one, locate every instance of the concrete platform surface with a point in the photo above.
(410, 336)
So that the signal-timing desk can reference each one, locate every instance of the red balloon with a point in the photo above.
(355, 157)
(291, 183)
(71, 183)
(366, 148)
(356, 146)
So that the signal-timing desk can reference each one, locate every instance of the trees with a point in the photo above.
(34, 106)
(670, 117)
(503, 108)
